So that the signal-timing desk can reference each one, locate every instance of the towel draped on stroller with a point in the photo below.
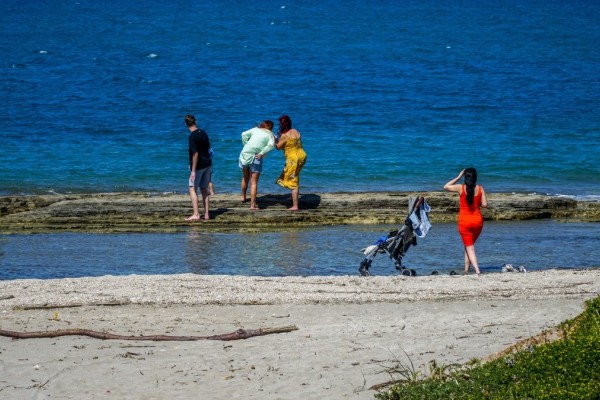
(398, 241)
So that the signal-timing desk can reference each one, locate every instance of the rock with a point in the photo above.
(149, 212)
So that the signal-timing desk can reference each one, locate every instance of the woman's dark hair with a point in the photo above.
(190, 120)
(470, 183)
(285, 124)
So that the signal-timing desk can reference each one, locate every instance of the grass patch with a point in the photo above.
(566, 368)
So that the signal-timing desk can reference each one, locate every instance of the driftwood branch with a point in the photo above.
(53, 306)
(237, 335)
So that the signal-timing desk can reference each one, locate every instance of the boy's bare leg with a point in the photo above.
(245, 179)
(254, 190)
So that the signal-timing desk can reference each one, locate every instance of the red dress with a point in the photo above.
(470, 220)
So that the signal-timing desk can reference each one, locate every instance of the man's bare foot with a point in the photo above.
(254, 208)
(206, 217)
(293, 209)
(193, 218)
(244, 200)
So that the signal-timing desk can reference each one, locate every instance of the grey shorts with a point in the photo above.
(202, 178)
(256, 165)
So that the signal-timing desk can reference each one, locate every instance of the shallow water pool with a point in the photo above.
(537, 245)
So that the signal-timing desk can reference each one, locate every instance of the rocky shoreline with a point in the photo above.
(152, 212)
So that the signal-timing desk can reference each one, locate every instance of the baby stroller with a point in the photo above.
(398, 241)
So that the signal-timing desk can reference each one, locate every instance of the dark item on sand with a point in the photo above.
(397, 242)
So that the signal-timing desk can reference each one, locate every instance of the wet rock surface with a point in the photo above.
(146, 212)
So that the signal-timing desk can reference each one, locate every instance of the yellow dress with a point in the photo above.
(295, 157)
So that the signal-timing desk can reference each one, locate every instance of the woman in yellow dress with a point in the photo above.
(295, 157)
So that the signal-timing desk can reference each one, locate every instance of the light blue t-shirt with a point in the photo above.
(256, 141)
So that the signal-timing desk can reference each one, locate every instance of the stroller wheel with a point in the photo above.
(406, 272)
(434, 273)
(364, 268)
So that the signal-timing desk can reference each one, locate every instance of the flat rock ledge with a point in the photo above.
(152, 212)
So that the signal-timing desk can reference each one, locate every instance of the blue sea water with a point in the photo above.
(388, 95)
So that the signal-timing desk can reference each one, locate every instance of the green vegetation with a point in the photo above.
(568, 368)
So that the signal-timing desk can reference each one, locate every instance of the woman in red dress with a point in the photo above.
(470, 220)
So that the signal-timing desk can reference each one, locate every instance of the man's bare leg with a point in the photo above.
(194, 198)
(205, 201)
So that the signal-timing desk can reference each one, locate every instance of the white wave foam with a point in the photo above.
(583, 197)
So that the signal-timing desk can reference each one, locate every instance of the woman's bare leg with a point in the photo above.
(295, 194)
(470, 250)
(467, 262)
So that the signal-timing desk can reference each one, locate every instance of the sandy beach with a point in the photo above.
(349, 331)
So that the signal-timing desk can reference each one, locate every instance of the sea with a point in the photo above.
(389, 95)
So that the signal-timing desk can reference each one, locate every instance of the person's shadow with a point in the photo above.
(307, 201)
(215, 212)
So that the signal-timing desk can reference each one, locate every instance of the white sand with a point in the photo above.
(349, 330)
